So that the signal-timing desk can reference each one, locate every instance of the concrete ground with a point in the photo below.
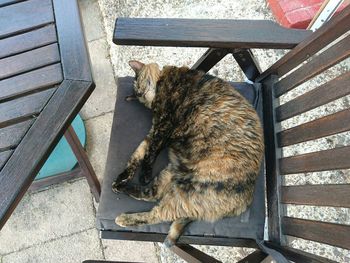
(58, 223)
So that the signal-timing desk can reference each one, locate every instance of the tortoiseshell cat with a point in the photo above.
(215, 144)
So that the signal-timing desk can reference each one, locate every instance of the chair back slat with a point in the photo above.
(323, 61)
(327, 233)
(336, 27)
(305, 195)
(337, 158)
(322, 127)
(332, 90)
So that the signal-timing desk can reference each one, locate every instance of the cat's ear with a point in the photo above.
(136, 65)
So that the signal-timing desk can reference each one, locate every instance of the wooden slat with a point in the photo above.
(29, 60)
(327, 233)
(11, 136)
(333, 159)
(39, 142)
(4, 156)
(327, 92)
(205, 33)
(319, 195)
(328, 125)
(272, 154)
(24, 16)
(327, 33)
(35, 80)
(26, 41)
(323, 61)
(74, 54)
(22, 108)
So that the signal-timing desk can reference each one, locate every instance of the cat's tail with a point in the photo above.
(175, 231)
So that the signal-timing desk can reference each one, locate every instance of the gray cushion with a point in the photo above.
(130, 125)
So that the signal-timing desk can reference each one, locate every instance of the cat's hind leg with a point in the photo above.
(175, 231)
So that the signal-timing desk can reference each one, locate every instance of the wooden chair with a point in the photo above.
(307, 59)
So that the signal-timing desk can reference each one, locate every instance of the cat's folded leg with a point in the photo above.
(138, 192)
(135, 160)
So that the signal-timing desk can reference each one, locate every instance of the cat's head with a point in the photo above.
(145, 82)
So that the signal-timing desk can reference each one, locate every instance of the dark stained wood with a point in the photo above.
(4, 156)
(56, 179)
(32, 81)
(29, 60)
(323, 61)
(328, 125)
(74, 54)
(192, 255)
(297, 255)
(272, 154)
(327, 92)
(321, 195)
(327, 233)
(256, 257)
(84, 163)
(210, 58)
(333, 159)
(11, 136)
(23, 108)
(247, 63)
(24, 16)
(205, 33)
(330, 31)
(196, 240)
(27, 41)
(40, 139)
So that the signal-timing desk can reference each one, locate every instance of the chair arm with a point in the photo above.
(206, 33)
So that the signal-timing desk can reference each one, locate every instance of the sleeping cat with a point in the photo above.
(215, 144)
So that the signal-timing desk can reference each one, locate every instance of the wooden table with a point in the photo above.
(45, 78)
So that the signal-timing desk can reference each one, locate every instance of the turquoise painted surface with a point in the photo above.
(62, 158)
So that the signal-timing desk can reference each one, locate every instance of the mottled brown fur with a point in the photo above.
(215, 146)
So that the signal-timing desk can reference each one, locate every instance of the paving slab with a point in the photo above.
(224, 254)
(47, 215)
(92, 19)
(130, 251)
(98, 135)
(102, 99)
(71, 249)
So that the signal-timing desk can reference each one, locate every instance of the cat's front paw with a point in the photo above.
(118, 187)
(123, 177)
(146, 175)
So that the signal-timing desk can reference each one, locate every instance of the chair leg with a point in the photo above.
(210, 58)
(84, 162)
(192, 255)
(247, 63)
(256, 257)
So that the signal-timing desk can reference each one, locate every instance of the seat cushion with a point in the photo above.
(131, 124)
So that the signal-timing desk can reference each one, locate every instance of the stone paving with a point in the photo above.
(58, 223)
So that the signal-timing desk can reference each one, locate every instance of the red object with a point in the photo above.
(296, 13)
